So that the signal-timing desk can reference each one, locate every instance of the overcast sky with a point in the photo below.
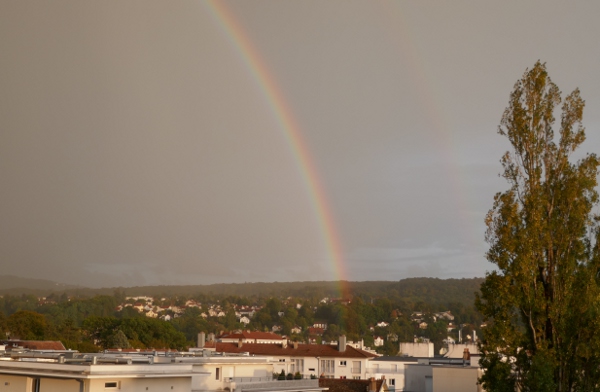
(138, 146)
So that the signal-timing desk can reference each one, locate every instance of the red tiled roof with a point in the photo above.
(316, 331)
(251, 335)
(35, 344)
(303, 350)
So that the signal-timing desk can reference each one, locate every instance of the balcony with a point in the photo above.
(249, 384)
(388, 370)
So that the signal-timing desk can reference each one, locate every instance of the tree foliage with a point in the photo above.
(542, 302)
(28, 325)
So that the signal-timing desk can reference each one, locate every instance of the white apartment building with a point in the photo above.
(45, 373)
(316, 360)
(136, 372)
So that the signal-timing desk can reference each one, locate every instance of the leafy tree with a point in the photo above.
(118, 340)
(3, 325)
(28, 325)
(437, 332)
(191, 323)
(389, 348)
(100, 329)
(542, 303)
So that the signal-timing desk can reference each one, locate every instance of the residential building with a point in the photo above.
(250, 337)
(422, 350)
(142, 371)
(442, 375)
(59, 373)
(18, 344)
(447, 315)
(392, 369)
(329, 361)
(457, 350)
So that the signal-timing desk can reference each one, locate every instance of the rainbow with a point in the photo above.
(227, 22)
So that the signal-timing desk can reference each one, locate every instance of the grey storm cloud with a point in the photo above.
(138, 147)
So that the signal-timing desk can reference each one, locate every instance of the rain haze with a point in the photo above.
(153, 142)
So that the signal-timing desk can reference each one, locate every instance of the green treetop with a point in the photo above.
(543, 301)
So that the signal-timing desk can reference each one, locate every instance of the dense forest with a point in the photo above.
(430, 290)
(94, 319)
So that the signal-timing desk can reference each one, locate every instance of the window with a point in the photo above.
(298, 365)
(281, 359)
(328, 366)
(392, 381)
(356, 378)
(342, 363)
(111, 385)
(218, 374)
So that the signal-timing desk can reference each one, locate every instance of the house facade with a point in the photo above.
(250, 337)
(316, 360)
(134, 372)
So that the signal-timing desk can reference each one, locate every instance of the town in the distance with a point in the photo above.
(411, 335)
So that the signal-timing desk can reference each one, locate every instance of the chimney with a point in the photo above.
(240, 343)
(372, 384)
(295, 345)
(342, 343)
(211, 337)
(201, 340)
(284, 343)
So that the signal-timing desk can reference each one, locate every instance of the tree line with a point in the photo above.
(94, 323)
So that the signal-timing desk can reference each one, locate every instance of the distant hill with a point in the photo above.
(429, 290)
(10, 284)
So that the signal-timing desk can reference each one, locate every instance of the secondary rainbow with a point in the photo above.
(290, 128)
(395, 20)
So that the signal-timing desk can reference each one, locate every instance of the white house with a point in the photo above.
(391, 368)
(447, 315)
(422, 350)
(319, 360)
(133, 372)
(378, 341)
(97, 373)
(250, 337)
